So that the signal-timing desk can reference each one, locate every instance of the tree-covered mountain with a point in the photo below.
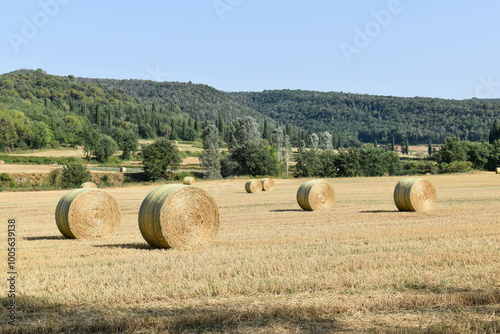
(38, 110)
(370, 117)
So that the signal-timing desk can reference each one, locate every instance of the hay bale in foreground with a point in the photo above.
(86, 185)
(189, 180)
(414, 194)
(497, 170)
(316, 195)
(123, 170)
(253, 186)
(267, 184)
(87, 214)
(179, 216)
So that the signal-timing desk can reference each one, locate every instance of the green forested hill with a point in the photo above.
(376, 117)
(193, 99)
(38, 110)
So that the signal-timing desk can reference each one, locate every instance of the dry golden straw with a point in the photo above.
(87, 214)
(179, 216)
(316, 195)
(414, 195)
(189, 180)
(497, 170)
(253, 186)
(88, 185)
(1, 162)
(123, 170)
(267, 184)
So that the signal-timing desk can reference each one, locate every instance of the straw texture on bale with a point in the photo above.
(189, 180)
(316, 195)
(179, 216)
(87, 214)
(414, 195)
(267, 184)
(123, 170)
(88, 185)
(1, 162)
(253, 186)
(497, 170)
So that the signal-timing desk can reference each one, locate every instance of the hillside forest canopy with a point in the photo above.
(39, 110)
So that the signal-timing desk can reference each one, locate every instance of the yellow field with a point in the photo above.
(363, 266)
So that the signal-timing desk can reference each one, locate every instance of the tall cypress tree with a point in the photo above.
(495, 132)
(429, 148)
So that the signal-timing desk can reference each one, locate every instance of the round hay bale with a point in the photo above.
(189, 180)
(179, 216)
(316, 195)
(87, 214)
(267, 184)
(253, 186)
(1, 162)
(497, 170)
(414, 194)
(123, 170)
(88, 185)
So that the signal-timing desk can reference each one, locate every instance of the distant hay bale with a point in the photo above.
(179, 216)
(189, 180)
(316, 195)
(497, 170)
(87, 214)
(267, 184)
(414, 194)
(1, 162)
(253, 186)
(123, 170)
(88, 185)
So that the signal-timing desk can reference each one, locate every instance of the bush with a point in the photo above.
(55, 177)
(4, 177)
(74, 174)
(456, 167)
(181, 175)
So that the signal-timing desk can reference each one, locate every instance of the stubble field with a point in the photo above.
(361, 267)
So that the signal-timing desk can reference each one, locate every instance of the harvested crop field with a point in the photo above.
(273, 268)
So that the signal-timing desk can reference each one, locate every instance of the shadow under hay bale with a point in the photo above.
(414, 194)
(87, 214)
(253, 186)
(315, 195)
(179, 216)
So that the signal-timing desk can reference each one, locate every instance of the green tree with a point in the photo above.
(74, 174)
(106, 147)
(255, 159)
(89, 137)
(127, 142)
(158, 157)
(495, 132)
(210, 158)
(42, 136)
(308, 163)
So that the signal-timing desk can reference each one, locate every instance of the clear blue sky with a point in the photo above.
(447, 49)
